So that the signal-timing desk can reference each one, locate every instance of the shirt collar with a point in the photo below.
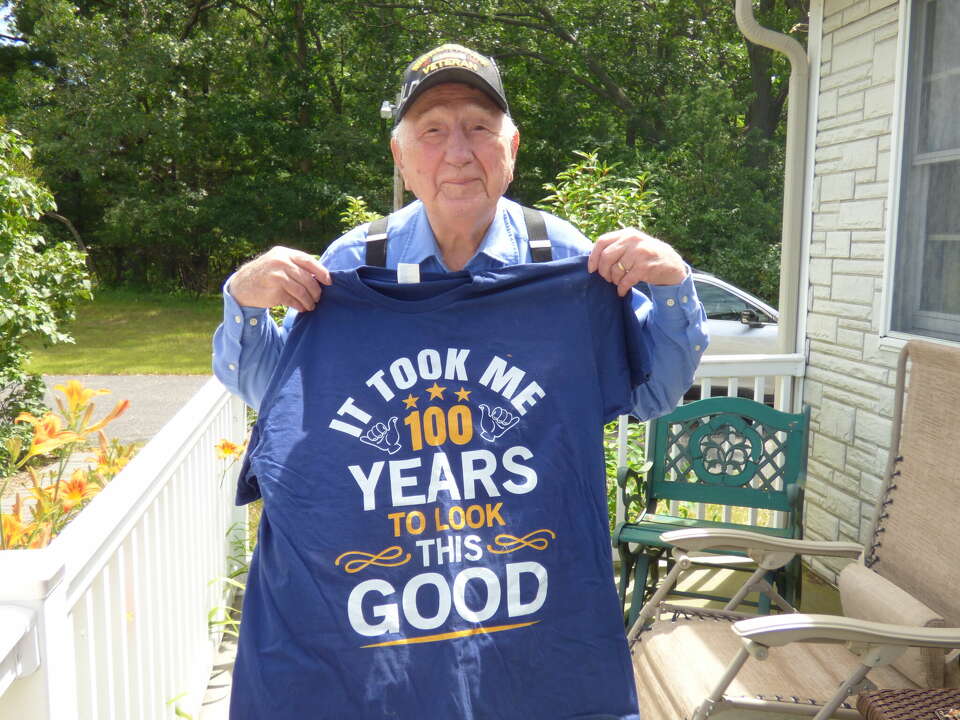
(500, 243)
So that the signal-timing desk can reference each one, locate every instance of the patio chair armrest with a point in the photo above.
(756, 544)
(626, 473)
(778, 630)
(769, 553)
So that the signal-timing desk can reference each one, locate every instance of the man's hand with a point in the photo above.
(626, 257)
(281, 276)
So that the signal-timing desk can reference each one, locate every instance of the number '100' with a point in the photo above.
(434, 427)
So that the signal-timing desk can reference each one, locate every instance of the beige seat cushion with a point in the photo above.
(677, 664)
(867, 596)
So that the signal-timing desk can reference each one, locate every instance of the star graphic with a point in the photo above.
(436, 392)
(410, 401)
(463, 394)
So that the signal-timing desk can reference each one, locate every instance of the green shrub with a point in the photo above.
(592, 196)
(357, 213)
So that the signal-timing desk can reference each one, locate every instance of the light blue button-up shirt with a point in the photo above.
(670, 323)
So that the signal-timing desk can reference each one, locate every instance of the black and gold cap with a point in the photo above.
(451, 63)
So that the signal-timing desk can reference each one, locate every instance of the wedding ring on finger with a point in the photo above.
(620, 265)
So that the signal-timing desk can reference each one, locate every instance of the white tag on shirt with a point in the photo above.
(408, 273)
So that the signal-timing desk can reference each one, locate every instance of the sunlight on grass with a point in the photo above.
(122, 332)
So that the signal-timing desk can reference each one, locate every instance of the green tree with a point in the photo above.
(40, 283)
(181, 139)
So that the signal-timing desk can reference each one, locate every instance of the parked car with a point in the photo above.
(739, 323)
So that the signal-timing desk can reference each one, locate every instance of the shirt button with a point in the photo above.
(697, 348)
(683, 299)
(671, 302)
(253, 321)
(232, 366)
(238, 318)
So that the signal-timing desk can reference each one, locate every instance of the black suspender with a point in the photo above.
(540, 250)
(377, 243)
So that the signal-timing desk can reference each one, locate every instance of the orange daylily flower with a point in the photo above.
(13, 528)
(109, 459)
(226, 449)
(76, 490)
(47, 434)
(118, 410)
(77, 396)
(15, 531)
(53, 504)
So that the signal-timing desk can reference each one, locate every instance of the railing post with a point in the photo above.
(34, 579)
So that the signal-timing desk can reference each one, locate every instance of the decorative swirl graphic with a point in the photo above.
(389, 557)
(510, 543)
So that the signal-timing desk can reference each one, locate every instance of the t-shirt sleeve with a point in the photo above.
(619, 355)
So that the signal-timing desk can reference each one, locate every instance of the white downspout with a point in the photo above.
(793, 172)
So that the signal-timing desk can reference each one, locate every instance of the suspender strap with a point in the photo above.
(377, 243)
(540, 250)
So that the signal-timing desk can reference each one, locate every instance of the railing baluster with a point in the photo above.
(152, 586)
(170, 618)
(137, 644)
(706, 387)
(122, 620)
(107, 659)
(87, 687)
(180, 577)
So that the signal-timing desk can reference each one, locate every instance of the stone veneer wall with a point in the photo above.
(850, 377)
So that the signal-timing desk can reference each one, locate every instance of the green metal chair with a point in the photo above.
(726, 451)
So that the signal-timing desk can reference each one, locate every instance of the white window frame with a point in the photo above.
(904, 104)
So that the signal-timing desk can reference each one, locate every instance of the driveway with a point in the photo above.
(154, 399)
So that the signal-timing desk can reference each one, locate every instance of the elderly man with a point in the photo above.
(434, 542)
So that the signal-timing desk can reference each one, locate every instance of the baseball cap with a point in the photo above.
(451, 63)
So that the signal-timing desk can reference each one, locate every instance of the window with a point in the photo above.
(722, 305)
(926, 290)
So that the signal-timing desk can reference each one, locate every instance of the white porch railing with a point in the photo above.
(110, 621)
(761, 376)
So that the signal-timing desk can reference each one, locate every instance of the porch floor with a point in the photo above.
(817, 597)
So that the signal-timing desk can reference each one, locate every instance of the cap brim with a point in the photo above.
(453, 75)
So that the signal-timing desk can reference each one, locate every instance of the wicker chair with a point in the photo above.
(900, 598)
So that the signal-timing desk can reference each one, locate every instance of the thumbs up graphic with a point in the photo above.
(383, 437)
(495, 423)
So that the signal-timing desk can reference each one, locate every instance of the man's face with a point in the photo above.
(453, 152)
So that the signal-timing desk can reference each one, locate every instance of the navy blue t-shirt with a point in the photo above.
(434, 541)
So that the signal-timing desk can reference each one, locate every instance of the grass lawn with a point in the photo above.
(124, 332)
